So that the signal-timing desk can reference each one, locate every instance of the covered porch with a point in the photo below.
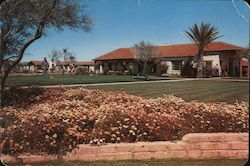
(116, 67)
(244, 68)
(123, 67)
(230, 63)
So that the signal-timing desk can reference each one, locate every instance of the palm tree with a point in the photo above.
(202, 35)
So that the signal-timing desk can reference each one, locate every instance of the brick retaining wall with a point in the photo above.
(192, 146)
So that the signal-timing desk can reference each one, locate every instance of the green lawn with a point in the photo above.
(205, 90)
(76, 79)
(225, 162)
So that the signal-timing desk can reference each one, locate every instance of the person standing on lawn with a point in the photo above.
(45, 66)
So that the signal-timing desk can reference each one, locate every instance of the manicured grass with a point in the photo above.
(221, 162)
(76, 79)
(201, 90)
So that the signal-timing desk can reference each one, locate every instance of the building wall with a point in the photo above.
(170, 69)
(215, 61)
(169, 63)
(91, 69)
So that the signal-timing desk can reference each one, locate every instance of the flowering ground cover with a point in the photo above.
(55, 121)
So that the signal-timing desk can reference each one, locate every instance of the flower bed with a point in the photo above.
(58, 120)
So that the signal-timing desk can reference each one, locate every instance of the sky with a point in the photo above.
(123, 23)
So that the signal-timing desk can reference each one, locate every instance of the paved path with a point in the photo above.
(136, 82)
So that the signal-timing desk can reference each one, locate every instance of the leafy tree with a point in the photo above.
(202, 35)
(25, 21)
(144, 53)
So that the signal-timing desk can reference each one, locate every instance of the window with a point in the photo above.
(176, 65)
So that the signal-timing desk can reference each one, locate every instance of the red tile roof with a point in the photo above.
(23, 63)
(36, 62)
(80, 63)
(178, 50)
(85, 63)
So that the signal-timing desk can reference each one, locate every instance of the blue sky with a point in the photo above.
(122, 23)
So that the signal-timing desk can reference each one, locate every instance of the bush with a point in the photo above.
(119, 69)
(164, 68)
(15, 95)
(26, 71)
(81, 71)
(207, 72)
(188, 70)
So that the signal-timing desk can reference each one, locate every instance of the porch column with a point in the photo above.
(101, 69)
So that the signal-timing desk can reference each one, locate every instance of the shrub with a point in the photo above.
(164, 68)
(15, 95)
(119, 68)
(188, 70)
(26, 71)
(81, 71)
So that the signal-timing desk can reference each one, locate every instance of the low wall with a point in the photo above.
(192, 146)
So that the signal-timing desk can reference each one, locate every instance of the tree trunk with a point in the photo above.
(3, 80)
(1, 94)
(200, 65)
(145, 71)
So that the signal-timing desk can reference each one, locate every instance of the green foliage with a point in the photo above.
(164, 68)
(188, 70)
(144, 52)
(119, 68)
(81, 71)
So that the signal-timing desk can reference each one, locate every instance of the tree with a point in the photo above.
(1, 1)
(55, 55)
(144, 53)
(68, 56)
(25, 21)
(65, 54)
(72, 57)
(202, 36)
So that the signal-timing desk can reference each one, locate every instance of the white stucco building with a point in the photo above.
(220, 59)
